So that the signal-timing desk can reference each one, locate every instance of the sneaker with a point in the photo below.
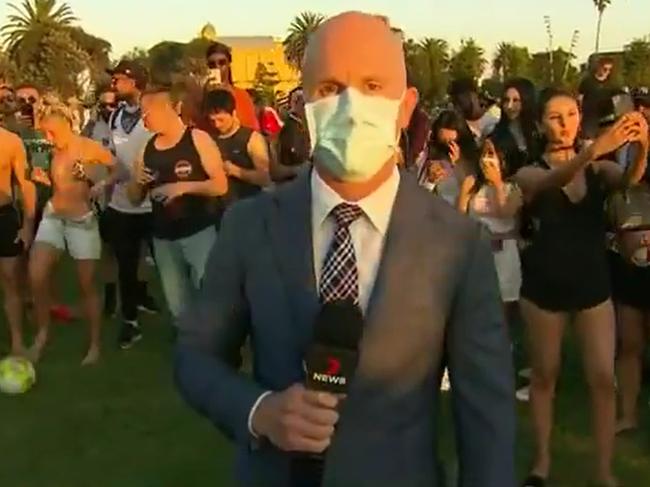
(129, 334)
(523, 394)
(148, 305)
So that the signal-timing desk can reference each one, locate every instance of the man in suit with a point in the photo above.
(421, 273)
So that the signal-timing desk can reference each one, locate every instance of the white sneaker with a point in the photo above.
(523, 394)
(445, 384)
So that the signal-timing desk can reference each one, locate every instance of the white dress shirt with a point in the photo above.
(368, 237)
(368, 232)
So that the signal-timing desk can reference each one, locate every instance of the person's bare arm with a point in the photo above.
(27, 188)
(212, 163)
(259, 153)
(613, 173)
(532, 180)
(466, 193)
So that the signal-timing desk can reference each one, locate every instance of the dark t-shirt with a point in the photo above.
(593, 92)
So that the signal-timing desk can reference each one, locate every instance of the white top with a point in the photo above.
(368, 232)
(127, 149)
(482, 204)
(483, 127)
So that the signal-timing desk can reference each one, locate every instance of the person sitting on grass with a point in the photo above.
(68, 221)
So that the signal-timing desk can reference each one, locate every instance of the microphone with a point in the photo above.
(330, 364)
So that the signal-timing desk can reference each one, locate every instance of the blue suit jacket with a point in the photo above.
(436, 293)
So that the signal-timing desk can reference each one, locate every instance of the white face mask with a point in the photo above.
(353, 135)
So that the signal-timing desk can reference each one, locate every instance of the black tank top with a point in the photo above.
(187, 214)
(565, 267)
(235, 150)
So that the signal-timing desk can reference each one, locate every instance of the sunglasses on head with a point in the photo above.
(218, 63)
(30, 100)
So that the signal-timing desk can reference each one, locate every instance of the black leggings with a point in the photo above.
(126, 233)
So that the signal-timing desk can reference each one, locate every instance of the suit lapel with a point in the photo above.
(402, 245)
(290, 228)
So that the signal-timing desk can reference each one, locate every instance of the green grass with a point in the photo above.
(121, 424)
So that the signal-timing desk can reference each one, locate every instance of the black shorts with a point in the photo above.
(9, 227)
(630, 283)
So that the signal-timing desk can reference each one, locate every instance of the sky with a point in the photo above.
(143, 23)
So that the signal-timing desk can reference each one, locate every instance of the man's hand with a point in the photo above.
(167, 193)
(98, 190)
(231, 169)
(297, 419)
(144, 176)
(40, 176)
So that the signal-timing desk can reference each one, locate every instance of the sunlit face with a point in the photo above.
(156, 111)
(222, 121)
(123, 85)
(604, 71)
(512, 104)
(561, 121)
(447, 136)
(357, 51)
(57, 130)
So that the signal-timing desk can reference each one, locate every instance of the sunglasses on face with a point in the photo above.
(30, 100)
(110, 106)
(217, 63)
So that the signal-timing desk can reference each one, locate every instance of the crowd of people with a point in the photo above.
(549, 176)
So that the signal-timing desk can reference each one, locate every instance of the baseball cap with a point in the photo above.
(133, 70)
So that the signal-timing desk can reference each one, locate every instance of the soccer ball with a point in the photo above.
(17, 375)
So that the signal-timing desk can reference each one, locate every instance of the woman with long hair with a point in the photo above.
(565, 268)
(491, 198)
(452, 156)
(68, 220)
(516, 134)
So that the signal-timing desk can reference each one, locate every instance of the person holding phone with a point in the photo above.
(565, 268)
(219, 61)
(452, 155)
(494, 201)
(69, 222)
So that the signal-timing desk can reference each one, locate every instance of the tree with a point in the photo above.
(98, 49)
(601, 6)
(427, 65)
(139, 55)
(32, 20)
(296, 41)
(266, 79)
(636, 63)
(55, 62)
(165, 59)
(468, 61)
(511, 61)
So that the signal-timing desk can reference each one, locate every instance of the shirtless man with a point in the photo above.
(68, 220)
(14, 237)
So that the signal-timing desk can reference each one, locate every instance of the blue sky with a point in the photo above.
(129, 23)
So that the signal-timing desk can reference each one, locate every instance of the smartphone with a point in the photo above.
(214, 77)
(623, 104)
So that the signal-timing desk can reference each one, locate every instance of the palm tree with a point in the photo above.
(501, 61)
(511, 60)
(296, 41)
(31, 20)
(601, 6)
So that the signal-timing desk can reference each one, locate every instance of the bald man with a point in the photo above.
(421, 274)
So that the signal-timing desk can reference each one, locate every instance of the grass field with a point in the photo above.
(121, 423)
